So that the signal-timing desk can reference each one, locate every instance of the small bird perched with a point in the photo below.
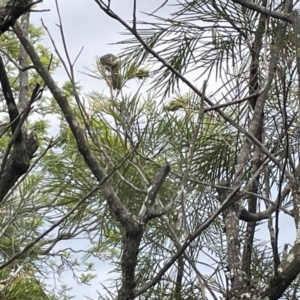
(111, 63)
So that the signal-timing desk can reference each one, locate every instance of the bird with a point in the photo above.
(111, 63)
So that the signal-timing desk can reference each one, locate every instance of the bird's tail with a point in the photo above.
(116, 80)
(116, 77)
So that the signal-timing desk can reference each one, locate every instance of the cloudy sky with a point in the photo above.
(85, 25)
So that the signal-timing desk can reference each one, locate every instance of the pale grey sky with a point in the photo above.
(87, 26)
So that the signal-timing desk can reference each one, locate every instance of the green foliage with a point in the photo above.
(132, 135)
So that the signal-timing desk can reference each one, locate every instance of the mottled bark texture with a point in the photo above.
(22, 146)
(12, 10)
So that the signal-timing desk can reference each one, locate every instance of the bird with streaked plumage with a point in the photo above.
(111, 63)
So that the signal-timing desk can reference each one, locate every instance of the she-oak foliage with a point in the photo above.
(185, 188)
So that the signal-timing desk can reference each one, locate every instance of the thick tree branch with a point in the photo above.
(153, 191)
(295, 184)
(24, 146)
(12, 10)
(287, 272)
(131, 244)
(264, 10)
(10, 101)
(257, 155)
(23, 57)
